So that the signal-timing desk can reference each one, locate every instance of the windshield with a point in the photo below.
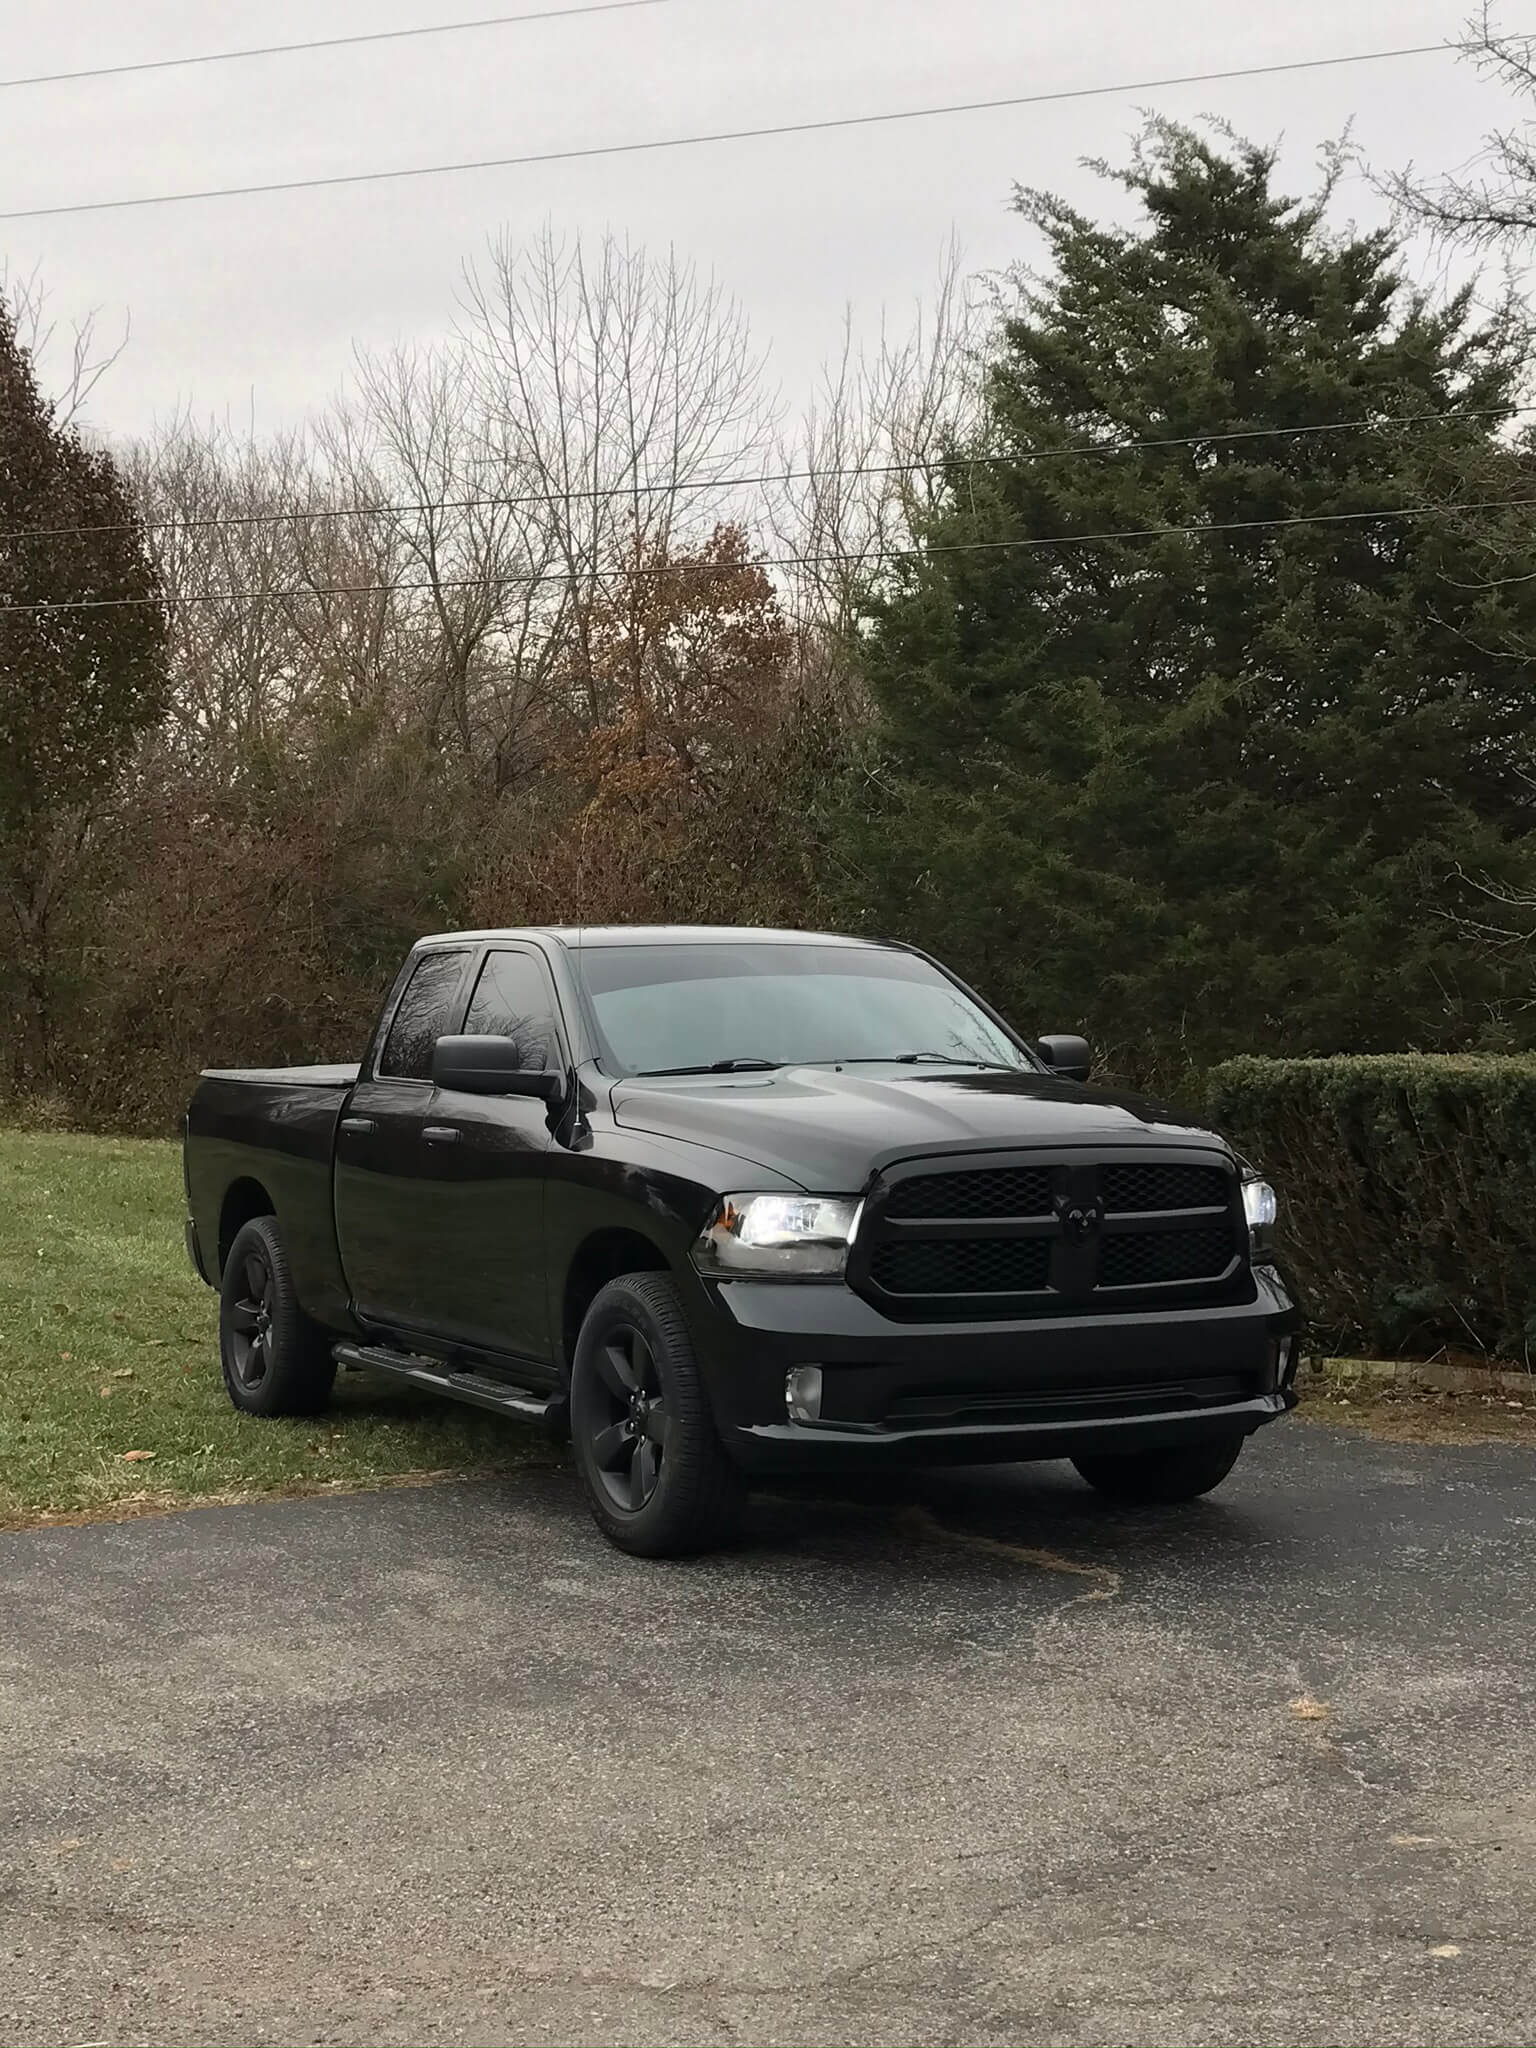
(707, 1004)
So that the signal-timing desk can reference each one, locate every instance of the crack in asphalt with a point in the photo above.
(922, 1523)
(926, 1523)
(1110, 1583)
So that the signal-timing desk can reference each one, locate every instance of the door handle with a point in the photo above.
(440, 1134)
(358, 1126)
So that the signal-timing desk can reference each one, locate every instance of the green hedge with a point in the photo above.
(1407, 1192)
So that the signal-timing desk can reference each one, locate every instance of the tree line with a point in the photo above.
(1150, 634)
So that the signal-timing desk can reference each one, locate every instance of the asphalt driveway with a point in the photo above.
(970, 1759)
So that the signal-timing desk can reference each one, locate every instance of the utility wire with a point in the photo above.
(780, 128)
(841, 557)
(379, 35)
(932, 465)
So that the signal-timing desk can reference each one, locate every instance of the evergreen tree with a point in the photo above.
(1219, 780)
(77, 684)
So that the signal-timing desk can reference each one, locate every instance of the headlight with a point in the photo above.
(794, 1237)
(1260, 1207)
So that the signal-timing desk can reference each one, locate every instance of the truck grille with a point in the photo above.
(1143, 1189)
(1021, 1191)
(985, 1265)
(1176, 1255)
(1047, 1235)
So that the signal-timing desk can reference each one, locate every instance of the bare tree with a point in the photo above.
(624, 392)
(71, 365)
(867, 459)
(1492, 202)
(219, 515)
(471, 537)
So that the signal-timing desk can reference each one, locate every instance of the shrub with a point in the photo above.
(1408, 1192)
(34, 1112)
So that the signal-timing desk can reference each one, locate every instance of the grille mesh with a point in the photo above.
(915, 1261)
(1166, 1255)
(964, 1265)
(1138, 1189)
(1005, 1191)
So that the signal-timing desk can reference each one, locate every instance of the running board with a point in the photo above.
(477, 1388)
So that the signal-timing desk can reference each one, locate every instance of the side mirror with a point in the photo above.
(479, 1065)
(1065, 1054)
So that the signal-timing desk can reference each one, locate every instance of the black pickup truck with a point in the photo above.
(729, 1202)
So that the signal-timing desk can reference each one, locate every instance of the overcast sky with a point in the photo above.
(249, 307)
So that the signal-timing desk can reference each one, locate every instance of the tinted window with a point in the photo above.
(694, 1003)
(512, 1000)
(425, 1013)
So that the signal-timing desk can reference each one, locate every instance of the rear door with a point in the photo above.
(380, 1153)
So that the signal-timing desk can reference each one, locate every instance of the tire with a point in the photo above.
(659, 1481)
(275, 1360)
(1162, 1476)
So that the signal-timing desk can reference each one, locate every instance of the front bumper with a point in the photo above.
(970, 1392)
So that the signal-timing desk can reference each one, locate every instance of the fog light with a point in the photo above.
(802, 1393)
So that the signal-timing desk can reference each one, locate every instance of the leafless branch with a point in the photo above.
(87, 356)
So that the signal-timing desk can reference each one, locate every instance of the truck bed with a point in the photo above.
(262, 1138)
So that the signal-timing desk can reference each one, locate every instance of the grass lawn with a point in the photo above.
(108, 1347)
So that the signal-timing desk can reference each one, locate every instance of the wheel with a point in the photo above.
(658, 1479)
(275, 1360)
(1174, 1475)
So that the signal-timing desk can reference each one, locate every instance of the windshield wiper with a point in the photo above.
(912, 1059)
(744, 1066)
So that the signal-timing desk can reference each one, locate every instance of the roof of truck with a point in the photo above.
(649, 935)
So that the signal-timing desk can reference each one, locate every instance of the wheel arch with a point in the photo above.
(244, 1199)
(602, 1255)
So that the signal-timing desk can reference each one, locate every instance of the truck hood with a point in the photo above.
(829, 1129)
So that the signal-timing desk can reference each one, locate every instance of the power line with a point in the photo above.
(842, 558)
(781, 128)
(303, 514)
(381, 35)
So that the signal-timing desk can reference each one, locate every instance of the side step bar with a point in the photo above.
(477, 1388)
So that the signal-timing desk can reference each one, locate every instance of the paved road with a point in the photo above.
(971, 1759)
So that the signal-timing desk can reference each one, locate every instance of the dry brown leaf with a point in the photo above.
(137, 1457)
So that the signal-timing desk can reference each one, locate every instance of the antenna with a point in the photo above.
(581, 909)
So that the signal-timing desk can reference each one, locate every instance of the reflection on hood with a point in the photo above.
(828, 1127)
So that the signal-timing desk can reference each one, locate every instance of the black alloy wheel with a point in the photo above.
(627, 1421)
(250, 1319)
(276, 1360)
(659, 1480)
